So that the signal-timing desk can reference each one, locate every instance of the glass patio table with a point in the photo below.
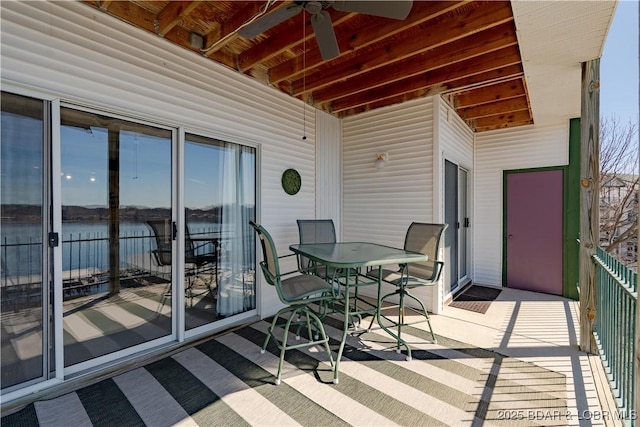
(348, 257)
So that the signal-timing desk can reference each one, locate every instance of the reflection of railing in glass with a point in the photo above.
(85, 264)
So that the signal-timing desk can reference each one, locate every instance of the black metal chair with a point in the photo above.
(163, 231)
(424, 238)
(298, 293)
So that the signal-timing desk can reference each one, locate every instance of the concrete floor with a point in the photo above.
(543, 330)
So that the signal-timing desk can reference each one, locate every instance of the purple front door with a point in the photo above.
(534, 231)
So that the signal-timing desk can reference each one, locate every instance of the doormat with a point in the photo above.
(475, 298)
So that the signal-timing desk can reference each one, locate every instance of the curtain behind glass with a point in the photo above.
(236, 291)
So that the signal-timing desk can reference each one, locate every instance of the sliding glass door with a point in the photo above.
(151, 237)
(24, 255)
(219, 200)
(116, 180)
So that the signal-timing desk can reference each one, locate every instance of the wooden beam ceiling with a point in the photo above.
(467, 51)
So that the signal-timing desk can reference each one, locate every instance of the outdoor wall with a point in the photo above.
(380, 204)
(518, 148)
(454, 142)
(71, 51)
(329, 169)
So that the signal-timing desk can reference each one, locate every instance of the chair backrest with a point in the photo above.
(163, 232)
(425, 238)
(189, 247)
(314, 231)
(270, 266)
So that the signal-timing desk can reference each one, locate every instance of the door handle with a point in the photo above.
(510, 236)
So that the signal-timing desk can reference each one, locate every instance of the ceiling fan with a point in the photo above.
(321, 20)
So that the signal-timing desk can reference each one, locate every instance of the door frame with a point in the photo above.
(565, 189)
(461, 281)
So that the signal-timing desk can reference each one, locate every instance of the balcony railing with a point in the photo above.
(84, 263)
(615, 330)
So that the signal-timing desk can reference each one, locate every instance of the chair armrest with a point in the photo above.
(288, 272)
(438, 272)
(406, 276)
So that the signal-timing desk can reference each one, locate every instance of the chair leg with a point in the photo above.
(401, 319)
(283, 347)
(312, 321)
(163, 299)
(425, 313)
(269, 333)
(324, 339)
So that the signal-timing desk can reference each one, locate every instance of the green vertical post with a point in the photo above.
(572, 214)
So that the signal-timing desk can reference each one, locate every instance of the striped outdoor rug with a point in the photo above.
(226, 381)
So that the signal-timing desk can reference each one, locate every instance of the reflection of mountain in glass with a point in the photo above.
(21, 213)
(33, 214)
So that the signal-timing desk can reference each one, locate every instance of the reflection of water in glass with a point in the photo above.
(84, 245)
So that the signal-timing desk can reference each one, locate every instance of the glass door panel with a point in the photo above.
(464, 221)
(23, 256)
(116, 181)
(451, 233)
(219, 198)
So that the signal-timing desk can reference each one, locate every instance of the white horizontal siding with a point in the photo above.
(456, 144)
(455, 137)
(518, 148)
(379, 204)
(71, 51)
(329, 169)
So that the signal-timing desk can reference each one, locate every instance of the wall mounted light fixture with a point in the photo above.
(381, 160)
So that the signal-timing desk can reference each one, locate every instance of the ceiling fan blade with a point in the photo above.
(396, 9)
(270, 20)
(326, 38)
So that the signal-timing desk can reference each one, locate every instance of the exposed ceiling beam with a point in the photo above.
(405, 45)
(493, 39)
(131, 13)
(227, 31)
(285, 39)
(104, 4)
(172, 13)
(502, 120)
(489, 93)
(465, 51)
(491, 109)
(494, 65)
(351, 40)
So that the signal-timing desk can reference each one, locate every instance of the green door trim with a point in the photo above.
(570, 214)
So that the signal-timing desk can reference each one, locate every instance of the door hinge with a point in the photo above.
(54, 239)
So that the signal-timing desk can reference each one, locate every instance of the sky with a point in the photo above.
(619, 65)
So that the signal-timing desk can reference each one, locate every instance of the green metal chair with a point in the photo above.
(298, 293)
(315, 231)
(424, 238)
(323, 231)
(318, 231)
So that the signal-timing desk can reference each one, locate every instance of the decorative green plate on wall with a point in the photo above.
(291, 181)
